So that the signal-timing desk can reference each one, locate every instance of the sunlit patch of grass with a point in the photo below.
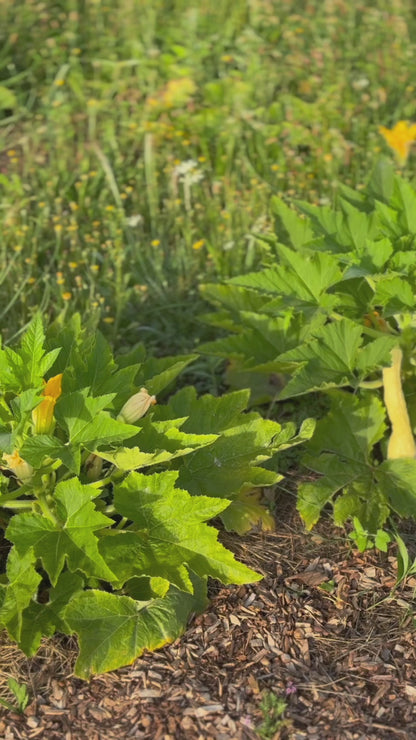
(105, 108)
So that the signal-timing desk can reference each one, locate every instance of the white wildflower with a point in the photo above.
(361, 83)
(134, 220)
(184, 168)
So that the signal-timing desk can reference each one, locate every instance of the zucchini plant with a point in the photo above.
(106, 493)
(334, 311)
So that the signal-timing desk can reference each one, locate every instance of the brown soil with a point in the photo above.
(344, 658)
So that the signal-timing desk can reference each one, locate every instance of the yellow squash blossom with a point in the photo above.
(18, 466)
(400, 138)
(42, 415)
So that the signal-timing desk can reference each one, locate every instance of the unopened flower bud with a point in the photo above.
(136, 406)
(93, 467)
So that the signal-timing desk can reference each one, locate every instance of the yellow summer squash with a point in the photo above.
(401, 442)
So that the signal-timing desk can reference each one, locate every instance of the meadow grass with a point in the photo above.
(141, 142)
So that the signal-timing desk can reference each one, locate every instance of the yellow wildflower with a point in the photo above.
(178, 92)
(42, 415)
(400, 138)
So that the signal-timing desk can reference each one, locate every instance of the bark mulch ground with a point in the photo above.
(321, 631)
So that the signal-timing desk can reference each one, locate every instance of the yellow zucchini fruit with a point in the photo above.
(401, 442)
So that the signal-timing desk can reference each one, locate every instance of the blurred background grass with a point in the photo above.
(141, 142)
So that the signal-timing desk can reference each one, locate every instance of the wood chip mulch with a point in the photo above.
(322, 631)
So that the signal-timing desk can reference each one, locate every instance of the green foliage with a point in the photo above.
(114, 629)
(405, 567)
(273, 708)
(109, 522)
(20, 693)
(325, 317)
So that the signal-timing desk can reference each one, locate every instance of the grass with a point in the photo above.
(141, 142)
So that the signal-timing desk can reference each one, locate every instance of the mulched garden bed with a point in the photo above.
(322, 631)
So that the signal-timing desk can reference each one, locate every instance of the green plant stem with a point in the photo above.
(19, 505)
(370, 384)
(41, 499)
(123, 521)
